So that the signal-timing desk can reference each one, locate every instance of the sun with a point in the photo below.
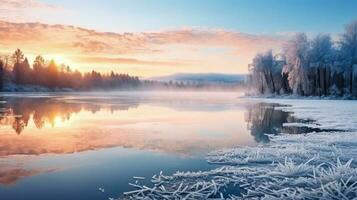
(58, 122)
(58, 58)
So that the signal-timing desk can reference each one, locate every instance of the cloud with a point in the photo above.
(14, 169)
(130, 61)
(211, 37)
(24, 4)
(26, 10)
(94, 42)
(212, 47)
(8, 177)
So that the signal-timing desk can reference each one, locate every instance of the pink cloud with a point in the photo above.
(25, 10)
(131, 61)
(163, 48)
(89, 41)
(23, 4)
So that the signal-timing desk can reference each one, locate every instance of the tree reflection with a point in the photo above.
(18, 125)
(17, 112)
(264, 119)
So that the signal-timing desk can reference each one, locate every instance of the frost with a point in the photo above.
(286, 180)
(101, 189)
(309, 166)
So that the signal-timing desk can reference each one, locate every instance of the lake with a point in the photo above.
(66, 146)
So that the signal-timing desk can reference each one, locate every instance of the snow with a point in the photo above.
(329, 114)
(306, 166)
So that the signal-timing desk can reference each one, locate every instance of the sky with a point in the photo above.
(158, 37)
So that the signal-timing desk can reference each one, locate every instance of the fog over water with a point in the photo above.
(104, 139)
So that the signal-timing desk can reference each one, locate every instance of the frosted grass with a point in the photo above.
(310, 166)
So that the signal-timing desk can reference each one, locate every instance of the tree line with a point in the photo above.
(16, 69)
(309, 67)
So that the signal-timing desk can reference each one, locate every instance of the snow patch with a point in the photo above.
(305, 166)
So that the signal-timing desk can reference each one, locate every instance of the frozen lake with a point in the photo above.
(67, 146)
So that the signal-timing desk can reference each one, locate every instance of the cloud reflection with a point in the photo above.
(172, 125)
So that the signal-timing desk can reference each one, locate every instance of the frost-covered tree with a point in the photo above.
(312, 67)
(321, 57)
(262, 74)
(280, 79)
(349, 52)
(266, 73)
(297, 54)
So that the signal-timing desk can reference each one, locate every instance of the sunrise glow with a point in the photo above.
(178, 99)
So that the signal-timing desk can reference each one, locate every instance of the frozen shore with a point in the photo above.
(292, 96)
(309, 166)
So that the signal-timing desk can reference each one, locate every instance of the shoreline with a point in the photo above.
(295, 166)
(296, 97)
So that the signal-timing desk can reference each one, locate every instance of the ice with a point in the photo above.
(330, 114)
(101, 189)
(306, 166)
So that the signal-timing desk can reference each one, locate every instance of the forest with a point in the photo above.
(317, 66)
(18, 75)
(16, 70)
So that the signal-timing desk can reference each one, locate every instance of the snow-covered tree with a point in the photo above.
(296, 52)
(321, 57)
(261, 69)
(349, 52)
(266, 73)
(311, 67)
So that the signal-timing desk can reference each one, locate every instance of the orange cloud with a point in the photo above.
(90, 41)
(108, 60)
(14, 168)
(144, 48)
(10, 176)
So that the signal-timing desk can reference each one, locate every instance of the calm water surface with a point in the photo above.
(66, 146)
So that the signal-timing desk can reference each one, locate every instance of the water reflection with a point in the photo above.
(18, 111)
(261, 119)
(264, 119)
(32, 127)
(51, 125)
(175, 125)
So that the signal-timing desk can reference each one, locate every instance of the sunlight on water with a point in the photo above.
(55, 135)
(44, 125)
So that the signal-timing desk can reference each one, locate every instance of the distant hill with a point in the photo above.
(202, 78)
